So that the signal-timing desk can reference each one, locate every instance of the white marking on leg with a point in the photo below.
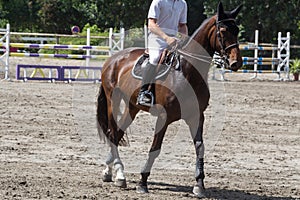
(107, 170)
(119, 171)
(118, 165)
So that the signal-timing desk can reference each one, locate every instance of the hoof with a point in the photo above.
(199, 192)
(142, 189)
(120, 183)
(107, 178)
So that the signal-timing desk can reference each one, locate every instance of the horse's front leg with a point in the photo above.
(160, 129)
(196, 128)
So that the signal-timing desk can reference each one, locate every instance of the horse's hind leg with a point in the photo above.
(127, 117)
(113, 159)
(107, 172)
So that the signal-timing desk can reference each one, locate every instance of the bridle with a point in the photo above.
(221, 40)
(223, 52)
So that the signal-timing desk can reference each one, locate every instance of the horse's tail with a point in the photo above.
(102, 120)
(102, 117)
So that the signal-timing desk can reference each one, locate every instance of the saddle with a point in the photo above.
(168, 60)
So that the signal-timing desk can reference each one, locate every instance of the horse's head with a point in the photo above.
(226, 42)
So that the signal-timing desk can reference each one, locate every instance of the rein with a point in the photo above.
(218, 37)
(206, 59)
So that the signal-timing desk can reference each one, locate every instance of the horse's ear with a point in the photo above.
(220, 11)
(236, 11)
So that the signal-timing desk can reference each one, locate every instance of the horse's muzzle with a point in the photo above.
(234, 60)
(234, 65)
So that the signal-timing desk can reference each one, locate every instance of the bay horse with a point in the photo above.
(183, 94)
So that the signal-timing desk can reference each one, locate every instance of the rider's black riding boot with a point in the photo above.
(148, 74)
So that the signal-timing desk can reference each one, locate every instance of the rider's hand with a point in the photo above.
(171, 41)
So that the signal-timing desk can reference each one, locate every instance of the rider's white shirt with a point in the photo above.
(168, 13)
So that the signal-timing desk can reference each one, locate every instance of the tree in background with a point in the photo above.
(126, 13)
(267, 16)
(58, 16)
(195, 14)
(20, 14)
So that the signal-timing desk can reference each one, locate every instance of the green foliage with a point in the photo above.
(268, 16)
(93, 29)
(195, 14)
(3, 23)
(58, 16)
(295, 66)
(134, 38)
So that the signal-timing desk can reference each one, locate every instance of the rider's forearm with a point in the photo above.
(155, 29)
(183, 29)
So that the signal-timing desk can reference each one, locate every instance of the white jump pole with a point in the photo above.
(4, 58)
(288, 54)
(110, 43)
(256, 49)
(7, 46)
(88, 43)
(122, 38)
(279, 55)
(255, 54)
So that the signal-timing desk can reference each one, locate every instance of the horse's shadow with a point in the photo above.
(214, 193)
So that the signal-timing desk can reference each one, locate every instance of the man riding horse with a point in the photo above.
(165, 19)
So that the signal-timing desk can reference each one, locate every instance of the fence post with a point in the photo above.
(283, 54)
(110, 44)
(88, 51)
(116, 40)
(122, 38)
(256, 42)
(5, 57)
(7, 52)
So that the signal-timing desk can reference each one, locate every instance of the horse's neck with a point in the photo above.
(201, 46)
(206, 36)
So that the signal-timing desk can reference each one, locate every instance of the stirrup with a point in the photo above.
(144, 100)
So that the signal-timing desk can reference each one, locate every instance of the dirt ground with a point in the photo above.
(49, 147)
